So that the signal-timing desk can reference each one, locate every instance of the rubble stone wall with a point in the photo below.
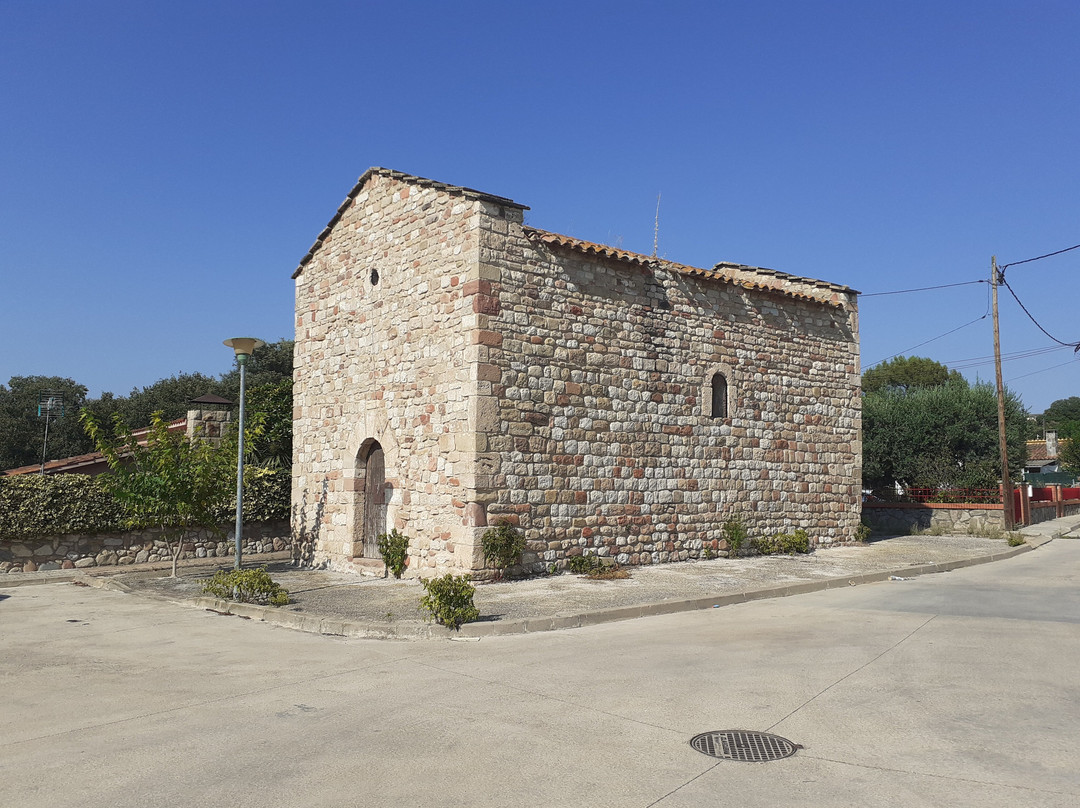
(77, 551)
(602, 377)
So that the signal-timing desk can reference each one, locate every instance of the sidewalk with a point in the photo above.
(345, 604)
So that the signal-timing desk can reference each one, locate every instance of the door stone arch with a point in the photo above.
(369, 519)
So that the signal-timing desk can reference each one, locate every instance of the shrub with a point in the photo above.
(1015, 539)
(735, 533)
(582, 564)
(247, 586)
(394, 549)
(783, 543)
(449, 600)
(33, 505)
(862, 532)
(501, 545)
(60, 504)
(594, 568)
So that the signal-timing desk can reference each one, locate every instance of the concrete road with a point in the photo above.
(954, 689)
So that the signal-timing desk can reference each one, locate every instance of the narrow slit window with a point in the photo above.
(719, 396)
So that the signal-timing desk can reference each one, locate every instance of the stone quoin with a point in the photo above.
(455, 367)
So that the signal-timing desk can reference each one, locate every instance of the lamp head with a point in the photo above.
(244, 346)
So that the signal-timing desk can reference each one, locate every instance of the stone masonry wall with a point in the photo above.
(603, 441)
(77, 551)
(386, 347)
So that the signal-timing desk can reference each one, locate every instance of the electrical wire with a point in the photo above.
(920, 289)
(1003, 267)
(927, 342)
(979, 361)
(1034, 372)
(1074, 345)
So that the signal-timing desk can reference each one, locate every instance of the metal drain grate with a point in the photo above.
(738, 744)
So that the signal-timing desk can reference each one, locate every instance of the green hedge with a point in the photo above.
(32, 505)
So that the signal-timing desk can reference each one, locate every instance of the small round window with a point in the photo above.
(374, 277)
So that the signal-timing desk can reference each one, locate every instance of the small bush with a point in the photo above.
(582, 564)
(502, 545)
(594, 568)
(862, 532)
(734, 530)
(449, 600)
(708, 553)
(1015, 539)
(783, 543)
(985, 530)
(394, 549)
(247, 586)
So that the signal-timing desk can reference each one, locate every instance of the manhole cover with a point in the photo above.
(738, 744)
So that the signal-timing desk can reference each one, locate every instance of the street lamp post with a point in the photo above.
(243, 347)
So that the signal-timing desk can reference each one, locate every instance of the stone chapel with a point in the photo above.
(455, 367)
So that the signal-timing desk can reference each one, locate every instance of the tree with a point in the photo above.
(907, 373)
(271, 407)
(270, 364)
(171, 397)
(168, 482)
(939, 437)
(1069, 446)
(1062, 412)
(22, 432)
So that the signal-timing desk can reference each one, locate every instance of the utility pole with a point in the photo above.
(1006, 480)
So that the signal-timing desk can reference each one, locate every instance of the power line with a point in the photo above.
(978, 361)
(1003, 267)
(927, 342)
(921, 289)
(1075, 345)
(1034, 372)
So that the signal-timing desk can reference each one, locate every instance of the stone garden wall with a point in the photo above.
(902, 519)
(136, 547)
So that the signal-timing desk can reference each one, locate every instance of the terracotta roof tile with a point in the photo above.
(748, 277)
(72, 464)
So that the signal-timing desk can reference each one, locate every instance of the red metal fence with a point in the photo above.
(970, 496)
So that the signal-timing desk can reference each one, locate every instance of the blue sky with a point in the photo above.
(163, 167)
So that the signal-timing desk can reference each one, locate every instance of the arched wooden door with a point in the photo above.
(374, 500)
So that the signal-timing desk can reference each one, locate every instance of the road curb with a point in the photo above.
(357, 629)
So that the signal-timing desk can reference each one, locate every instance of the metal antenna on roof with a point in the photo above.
(50, 406)
(656, 228)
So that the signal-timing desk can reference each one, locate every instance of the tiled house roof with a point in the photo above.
(91, 463)
(748, 277)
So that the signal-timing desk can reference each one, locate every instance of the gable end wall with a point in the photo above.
(394, 362)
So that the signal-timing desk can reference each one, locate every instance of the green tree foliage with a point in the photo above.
(907, 373)
(939, 437)
(271, 408)
(169, 482)
(1069, 446)
(22, 432)
(269, 385)
(269, 365)
(1061, 413)
(171, 397)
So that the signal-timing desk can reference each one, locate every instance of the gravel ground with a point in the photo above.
(394, 603)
